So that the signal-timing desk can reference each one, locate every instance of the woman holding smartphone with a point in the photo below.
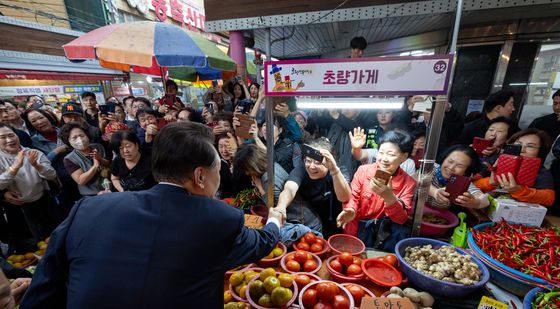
(456, 161)
(534, 144)
(381, 190)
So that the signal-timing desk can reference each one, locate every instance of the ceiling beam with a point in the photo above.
(363, 13)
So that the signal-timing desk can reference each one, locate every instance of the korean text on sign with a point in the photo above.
(343, 77)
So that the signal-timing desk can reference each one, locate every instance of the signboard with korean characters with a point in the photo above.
(380, 76)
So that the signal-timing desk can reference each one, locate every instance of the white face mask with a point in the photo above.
(79, 144)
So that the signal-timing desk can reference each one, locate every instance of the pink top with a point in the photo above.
(368, 205)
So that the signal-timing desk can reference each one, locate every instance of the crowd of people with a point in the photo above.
(50, 160)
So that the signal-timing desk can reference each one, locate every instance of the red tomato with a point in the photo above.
(302, 280)
(320, 241)
(357, 293)
(303, 246)
(326, 291)
(300, 256)
(316, 248)
(357, 260)
(353, 270)
(293, 266)
(391, 260)
(322, 305)
(340, 302)
(290, 257)
(335, 265)
(310, 238)
(345, 258)
(309, 266)
(309, 298)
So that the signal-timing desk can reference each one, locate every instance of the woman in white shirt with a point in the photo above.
(23, 175)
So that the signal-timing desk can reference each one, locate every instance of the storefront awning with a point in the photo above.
(39, 66)
(44, 75)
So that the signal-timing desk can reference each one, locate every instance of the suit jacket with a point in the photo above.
(160, 248)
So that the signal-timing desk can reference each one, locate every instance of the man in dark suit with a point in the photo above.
(551, 122)
(167, 247)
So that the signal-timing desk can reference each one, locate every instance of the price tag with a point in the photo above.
(386, 303)
(489, 303)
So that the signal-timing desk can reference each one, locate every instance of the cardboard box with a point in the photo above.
(516, 212)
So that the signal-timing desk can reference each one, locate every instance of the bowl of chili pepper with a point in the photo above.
(519, 257)
(539, 298)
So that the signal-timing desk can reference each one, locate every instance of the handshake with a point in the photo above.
(278, 214)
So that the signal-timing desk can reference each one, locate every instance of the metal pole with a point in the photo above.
(269, 132)
(434, 131)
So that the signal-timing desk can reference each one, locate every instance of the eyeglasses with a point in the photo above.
(309, 162)
(529, 146)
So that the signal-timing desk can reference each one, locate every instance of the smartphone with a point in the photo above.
(507, 164)
(170, 100)
(209, 107)
(383, 175)
(456, 186)
(417, 157)
(107, 108)
(513, 149)
(528, 171)
(245, 126)
(311, 152)
(479, 144)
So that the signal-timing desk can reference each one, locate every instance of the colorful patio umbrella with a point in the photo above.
(148, 47)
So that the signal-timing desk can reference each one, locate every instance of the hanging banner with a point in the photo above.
(30, 90)
(422, 75)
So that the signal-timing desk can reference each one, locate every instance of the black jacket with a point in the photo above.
(549, 124)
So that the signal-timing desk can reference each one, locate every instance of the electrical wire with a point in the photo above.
(71, 19)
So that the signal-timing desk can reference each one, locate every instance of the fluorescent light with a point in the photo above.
(349, 103)
(149, 78)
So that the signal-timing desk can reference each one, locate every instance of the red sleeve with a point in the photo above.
(400, 211)
(356, 187)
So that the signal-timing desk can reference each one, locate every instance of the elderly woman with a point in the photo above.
(46, 138)
(373, 198)
(535, 144)
(24, 175)
(86, 163)
(459, 160)
(131, 170)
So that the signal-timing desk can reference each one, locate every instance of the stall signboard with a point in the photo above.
(189, 13)
(124, 91)
(80, 89)
(31, 90)
(379, 76)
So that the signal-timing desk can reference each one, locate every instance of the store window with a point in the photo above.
(545, 79)
(125, 17)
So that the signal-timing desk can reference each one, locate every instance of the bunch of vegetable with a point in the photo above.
(546, 300)
(422, 300)
(531, 250)
(444, 263)
(247, 198)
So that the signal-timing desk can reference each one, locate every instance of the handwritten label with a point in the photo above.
(386, 303)
(489, 303)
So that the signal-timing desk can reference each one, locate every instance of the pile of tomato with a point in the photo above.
(347, 264)
(310, 242)
(300, 261)
(324, 295)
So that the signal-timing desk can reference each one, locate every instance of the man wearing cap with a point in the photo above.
(72, 112)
